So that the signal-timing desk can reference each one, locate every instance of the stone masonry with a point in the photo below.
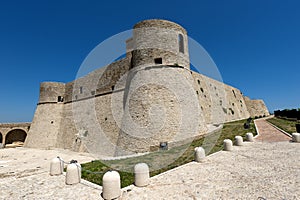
(136, 103)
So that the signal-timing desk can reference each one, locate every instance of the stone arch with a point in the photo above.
(15, 135)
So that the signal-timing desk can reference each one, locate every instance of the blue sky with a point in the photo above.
(255, 43)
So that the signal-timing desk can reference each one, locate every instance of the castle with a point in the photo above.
(137, 103)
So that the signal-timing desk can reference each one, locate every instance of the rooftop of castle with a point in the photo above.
(159, 23)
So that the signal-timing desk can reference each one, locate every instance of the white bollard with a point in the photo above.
(227, 145)
(141, 175)
(238, 141)
(249, 137)
(111, 185)
(73, 175)
(56, 166)
(199, 154)
(296, 137)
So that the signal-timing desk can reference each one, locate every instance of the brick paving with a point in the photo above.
(267, 133)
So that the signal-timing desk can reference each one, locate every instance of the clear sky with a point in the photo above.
(255, 43)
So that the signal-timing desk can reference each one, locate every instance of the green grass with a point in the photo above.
(284, 124)
(162, 161)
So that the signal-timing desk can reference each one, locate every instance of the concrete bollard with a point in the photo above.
(238, 141)
(227, 145)
(141, 175)
(296, 137)
(73, 175)
(56, 166)
(199, 154)
(249, 137)
(111, 188)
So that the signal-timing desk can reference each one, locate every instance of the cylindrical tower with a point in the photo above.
(157, 42)
(161, 106)
(51, 92)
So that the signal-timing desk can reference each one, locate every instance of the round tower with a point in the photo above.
(160, 104)
(51, 92)
(158, 42)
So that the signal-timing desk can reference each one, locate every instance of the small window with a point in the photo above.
(202, 90)
(80, 90)
(158, 61)
(60, 99)
(199, 82)
(181, 43)
(112, 88)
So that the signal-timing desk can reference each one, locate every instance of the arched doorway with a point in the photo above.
(16, 135)
(1, 137)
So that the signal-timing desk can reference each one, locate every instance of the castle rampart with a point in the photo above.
(136, 103)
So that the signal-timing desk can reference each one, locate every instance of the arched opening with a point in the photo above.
(15, 136)
(1, 137)
(181, 43)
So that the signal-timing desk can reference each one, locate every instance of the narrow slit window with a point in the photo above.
(80, 90)
(181, 43)
(233, 93)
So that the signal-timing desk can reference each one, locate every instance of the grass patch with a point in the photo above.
(162, 161)
(284, 124)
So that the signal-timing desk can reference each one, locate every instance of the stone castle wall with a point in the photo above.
(219, 102)
(257, 107)
(135, 103)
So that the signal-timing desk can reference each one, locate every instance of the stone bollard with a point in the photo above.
(56, 166)
(199, 154)
(227, 145)
(73, 175)
(238, 141)
(141, 175)
(111, 188)
(249, 137)
(296, 137)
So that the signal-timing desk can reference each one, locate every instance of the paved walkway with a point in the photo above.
(266, 169)
(268, 133)
(254, 171)
(24, 174)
